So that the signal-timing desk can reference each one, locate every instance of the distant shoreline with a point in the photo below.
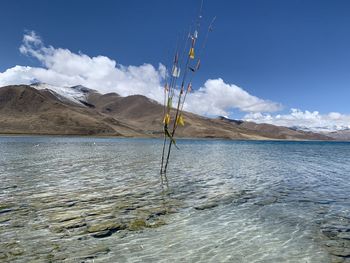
(159, 137)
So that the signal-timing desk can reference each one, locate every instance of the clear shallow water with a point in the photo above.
(82, 199)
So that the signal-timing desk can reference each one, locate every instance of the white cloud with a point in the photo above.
(61, 67)
(217, 98)
(306, 120)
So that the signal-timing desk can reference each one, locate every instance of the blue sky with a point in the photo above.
(295, 53)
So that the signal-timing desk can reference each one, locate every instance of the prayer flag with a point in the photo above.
(189, 87)
(166, 119)
(176, 72)
(170, 103)
(180, 121)
(191, 54)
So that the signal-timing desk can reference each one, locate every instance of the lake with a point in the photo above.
(85, 199)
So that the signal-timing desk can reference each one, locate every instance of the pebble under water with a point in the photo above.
(78, 199)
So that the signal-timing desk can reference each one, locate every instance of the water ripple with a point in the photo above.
(99, 199)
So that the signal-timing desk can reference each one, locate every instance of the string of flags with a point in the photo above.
(172, 89)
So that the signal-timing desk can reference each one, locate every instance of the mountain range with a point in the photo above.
(45, 109)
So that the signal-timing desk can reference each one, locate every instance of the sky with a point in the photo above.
(281, 62)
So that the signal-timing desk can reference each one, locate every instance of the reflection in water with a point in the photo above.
(91, 199)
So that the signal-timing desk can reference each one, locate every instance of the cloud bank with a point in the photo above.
(61, 67)
(216, 97)
(305, 120)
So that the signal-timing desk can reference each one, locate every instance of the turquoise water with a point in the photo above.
(227, 201)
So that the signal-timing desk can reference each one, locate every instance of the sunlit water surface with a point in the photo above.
(227, 201)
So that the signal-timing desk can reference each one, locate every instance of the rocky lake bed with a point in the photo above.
(55, 207)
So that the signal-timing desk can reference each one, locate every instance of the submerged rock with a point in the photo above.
(82, 255)
(336, 259)
(5, 210)
(49, 227)
(94, 252)
(206, 206)
(337, 232)
(68, 225)
(137, 224)
(267, 201)
(156, 224)
(344, 235)
(66, 216)
(339, 251)
(5, 218)
(105, 229)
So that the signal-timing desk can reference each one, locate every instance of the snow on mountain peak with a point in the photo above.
(76, 94)
(322, 129)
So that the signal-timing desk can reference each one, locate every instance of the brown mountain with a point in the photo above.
(28, 110)
(342, 135)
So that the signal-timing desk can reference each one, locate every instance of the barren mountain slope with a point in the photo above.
(41, 110)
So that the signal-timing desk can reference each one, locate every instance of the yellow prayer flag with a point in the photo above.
(180, 121)
(166, 119)
(191, 54)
